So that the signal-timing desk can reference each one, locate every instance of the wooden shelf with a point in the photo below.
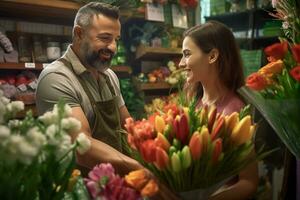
(47, 11)
(156, 53)
(40, 66)
(22, 114)
(155, 86)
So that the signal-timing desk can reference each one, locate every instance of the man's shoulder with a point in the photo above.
(55, 67)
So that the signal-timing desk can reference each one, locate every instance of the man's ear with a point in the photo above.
(78, 32)
(213, 56)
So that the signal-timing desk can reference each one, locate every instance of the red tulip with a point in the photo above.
(148, 150)
(212, 117)
(277, 50)
(181, 128)
(256, 81)
(195, 145)
(217, 128)
(162, 158)
(296, 52)
(217, 150)
(295, 73)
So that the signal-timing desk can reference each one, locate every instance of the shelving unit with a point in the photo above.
(46, 11)
(124, 70)
(27, 108)
(155, 86)
(156, 53)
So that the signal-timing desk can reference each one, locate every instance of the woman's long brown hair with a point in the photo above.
(208, 36)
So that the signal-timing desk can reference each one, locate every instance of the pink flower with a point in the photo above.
(93, 188)
(101, 170)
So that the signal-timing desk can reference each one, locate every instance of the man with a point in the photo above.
(83, 79)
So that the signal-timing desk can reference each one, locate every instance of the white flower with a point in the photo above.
(67, 110)
(19, 149)
(49, 117)
(27, 152)
(15, 106)
(71, 124)
(14, 123)
(36, 137)
(4, 100)
(83, 142)
(51, 133)
(65, 144)
(4, 132)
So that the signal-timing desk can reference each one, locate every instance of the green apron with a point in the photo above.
(107, 124)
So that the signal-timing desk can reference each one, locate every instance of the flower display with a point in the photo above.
(191, 148)
(275, 88)
(37, 155)
(104, 183)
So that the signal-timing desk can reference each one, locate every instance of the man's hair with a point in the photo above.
(85, 14)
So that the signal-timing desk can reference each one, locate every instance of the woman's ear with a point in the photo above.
(213, 56)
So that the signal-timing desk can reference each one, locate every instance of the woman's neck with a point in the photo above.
(214, 93)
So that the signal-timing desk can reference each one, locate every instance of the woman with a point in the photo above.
(213, 63)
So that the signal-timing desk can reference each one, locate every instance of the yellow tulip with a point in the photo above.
(241, 132)
(137, 179)
(231, 121)
(159, 124)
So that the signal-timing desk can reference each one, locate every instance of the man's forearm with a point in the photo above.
(101, 152)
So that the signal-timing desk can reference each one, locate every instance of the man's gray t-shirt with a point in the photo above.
(57, 81)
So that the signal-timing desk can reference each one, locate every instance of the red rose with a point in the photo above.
(296, 52)
(256, 81)
(295, 73)
(277, 50)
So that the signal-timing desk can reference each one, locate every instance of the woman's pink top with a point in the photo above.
(229, 104)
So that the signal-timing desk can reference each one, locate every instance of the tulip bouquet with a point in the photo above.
(191, 148)
(37, 155)
(103, 183)
(275, 88)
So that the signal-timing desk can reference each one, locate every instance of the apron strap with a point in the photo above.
(108, 82)
(87, 91)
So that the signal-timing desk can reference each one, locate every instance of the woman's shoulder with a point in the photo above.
(233, 104)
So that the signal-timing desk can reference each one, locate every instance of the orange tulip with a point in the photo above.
(148, 149)
(195, 145)
(161, 141)
(271, 69)
(150, 189)
(162, 158)
(137, 179)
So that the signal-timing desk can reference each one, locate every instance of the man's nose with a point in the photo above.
(113, 46)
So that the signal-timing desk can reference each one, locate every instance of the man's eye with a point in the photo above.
(186, 55)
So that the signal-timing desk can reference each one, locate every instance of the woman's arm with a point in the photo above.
(244, 189)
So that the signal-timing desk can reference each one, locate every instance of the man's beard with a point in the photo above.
(92, 58)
